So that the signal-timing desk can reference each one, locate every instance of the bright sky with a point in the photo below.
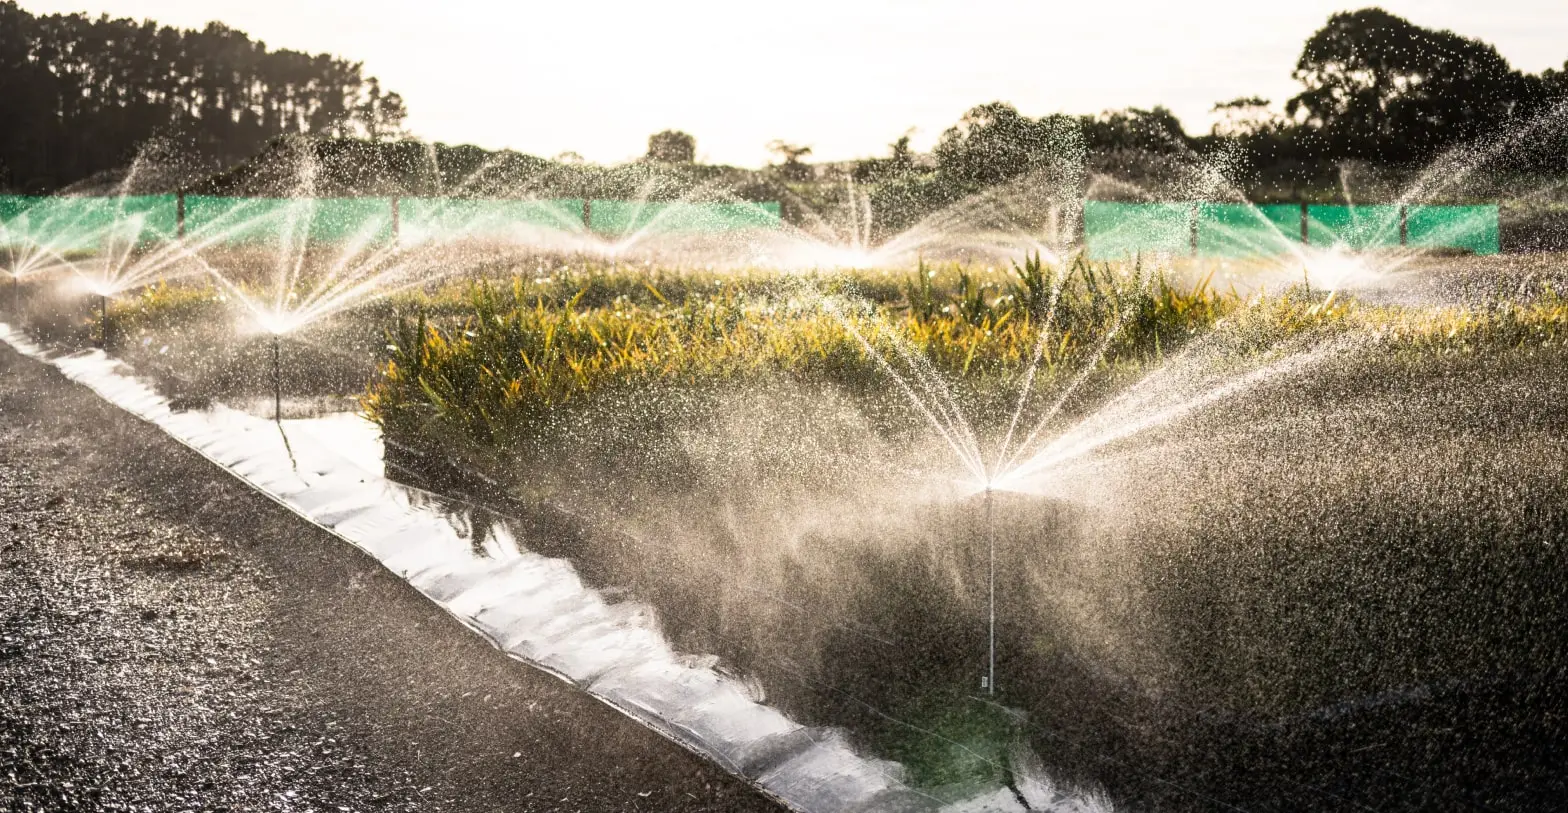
(844, 76)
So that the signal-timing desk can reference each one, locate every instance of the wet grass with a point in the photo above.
(495, 355)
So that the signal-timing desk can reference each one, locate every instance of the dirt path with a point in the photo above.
(171, 640)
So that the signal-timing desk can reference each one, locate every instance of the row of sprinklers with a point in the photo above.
(964, 332)
(538, 346)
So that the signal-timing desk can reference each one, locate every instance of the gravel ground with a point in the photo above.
(171, 640)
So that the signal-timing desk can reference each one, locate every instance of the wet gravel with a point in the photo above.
(170, 640)
(131, 666)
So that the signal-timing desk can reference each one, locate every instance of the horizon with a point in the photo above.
(851, 79)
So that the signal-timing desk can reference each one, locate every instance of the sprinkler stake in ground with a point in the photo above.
(990, 543)
(277, 377)
(103, 321)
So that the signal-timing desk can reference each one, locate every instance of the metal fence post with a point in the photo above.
(179, 215)
(1306, 237)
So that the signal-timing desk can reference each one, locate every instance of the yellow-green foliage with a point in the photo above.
(163, 305)
(520, 353)
(1542, 322)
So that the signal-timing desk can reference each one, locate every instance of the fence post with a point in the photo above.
(179, 215)
(1192, 228)
(395, 219)
(1305, 236)
(587, 215)
(1404, 225)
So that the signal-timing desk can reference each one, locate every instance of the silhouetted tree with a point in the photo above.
(379, 115)
(672, 147)
(78, 94)
(901, 162)
(1380, 87)
(792, 168)
(989, 145)
(1157, 131)
(903, 157)
(1245, 117)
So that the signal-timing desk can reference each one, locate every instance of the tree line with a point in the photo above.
(80, 95)
(1376, 89)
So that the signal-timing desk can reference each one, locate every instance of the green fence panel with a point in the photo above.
(56, 224)
(1112, 230)
(423, 219)
(1468, 228)
(1240, 230)
(1357, 228)
(14, 223)
(242, 221)
(147, 218)
(623, 217)
(236, 221)
(86, 224)
(1119, 230)
(11, 206)
(354, 221)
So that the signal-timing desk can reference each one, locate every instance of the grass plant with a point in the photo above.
(524, 351)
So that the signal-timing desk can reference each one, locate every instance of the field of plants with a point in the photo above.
(772, 462)
(494, 355)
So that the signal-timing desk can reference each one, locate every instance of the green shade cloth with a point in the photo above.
(72, 223)
(1358, 228)
(1111, 230)
(1468, 228)
(425, 219)
(1120, 230)
(239, 221)
(68, 223)
(617, 217)
(1240, 230)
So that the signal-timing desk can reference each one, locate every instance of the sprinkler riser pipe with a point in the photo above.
(989, 681)
(277, 379)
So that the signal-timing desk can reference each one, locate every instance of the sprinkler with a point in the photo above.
(103, 322)
(990, 539)
(277, 378)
